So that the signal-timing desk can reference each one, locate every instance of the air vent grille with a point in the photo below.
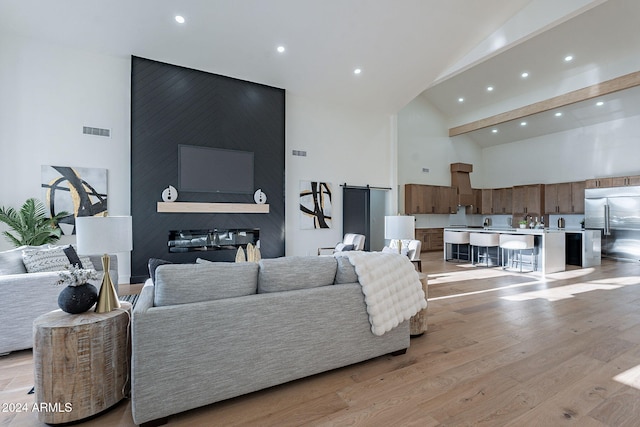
(96, 131)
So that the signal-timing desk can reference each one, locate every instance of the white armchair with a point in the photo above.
(411, 248)
(350, 242)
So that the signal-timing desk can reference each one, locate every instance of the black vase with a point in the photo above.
(77, 299)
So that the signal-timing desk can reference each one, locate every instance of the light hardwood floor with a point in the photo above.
(502, 349)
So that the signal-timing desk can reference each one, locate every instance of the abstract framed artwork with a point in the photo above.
(315, 205)
(79, 191)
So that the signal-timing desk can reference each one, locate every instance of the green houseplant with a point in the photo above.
(30, 225)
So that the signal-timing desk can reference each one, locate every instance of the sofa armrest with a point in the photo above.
(145, 300)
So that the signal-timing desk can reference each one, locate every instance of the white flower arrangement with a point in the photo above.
(76, 276)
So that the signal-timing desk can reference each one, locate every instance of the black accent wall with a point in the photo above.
(173, 105)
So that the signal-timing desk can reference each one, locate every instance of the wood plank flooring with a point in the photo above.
(502, 349)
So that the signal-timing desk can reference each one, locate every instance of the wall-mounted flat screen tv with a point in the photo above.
(214, 170)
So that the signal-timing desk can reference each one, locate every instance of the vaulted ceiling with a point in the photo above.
(402, 47)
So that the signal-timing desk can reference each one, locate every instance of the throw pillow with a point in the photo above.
(153, 264)
(295, 272)
(11, 261)
(346, 272)
(72, 256)
(50, 259)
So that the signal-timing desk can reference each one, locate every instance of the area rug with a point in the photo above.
(130, 298)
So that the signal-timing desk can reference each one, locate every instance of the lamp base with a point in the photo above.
(108, 298)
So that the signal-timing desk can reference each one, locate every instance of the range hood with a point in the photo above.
(462, 183)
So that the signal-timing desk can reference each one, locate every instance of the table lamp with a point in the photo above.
(104, 235)
(399, 227)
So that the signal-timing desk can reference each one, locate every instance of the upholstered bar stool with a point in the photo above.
(486, 241)
(514, 244)
(456, 238)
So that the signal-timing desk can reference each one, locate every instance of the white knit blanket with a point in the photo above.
(391, 287)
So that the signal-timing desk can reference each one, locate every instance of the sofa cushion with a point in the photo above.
(50, 259)
(11, 261)
(295, 272)
(153, 264)
(346, 272)
(189, 283)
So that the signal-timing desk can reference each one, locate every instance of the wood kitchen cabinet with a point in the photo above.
(624, 181)
(417, 199)
(487, 201)
(502, 200)
(445, 200)
(432, 239)
(528, 200)
(599, 182)
(429, 199)
(565, 198)
(476, 207)
(577, 196)
(557, 198)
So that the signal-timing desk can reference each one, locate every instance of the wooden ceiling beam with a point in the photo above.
(619, 83)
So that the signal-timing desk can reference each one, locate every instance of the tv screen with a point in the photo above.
(214, 170)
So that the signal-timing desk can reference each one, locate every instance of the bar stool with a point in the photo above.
(484, 240)
(515, 244)
(456, 238)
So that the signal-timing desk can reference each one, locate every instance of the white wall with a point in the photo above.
(601, 150)
(423, 142)
(48, 93)
(343, 146)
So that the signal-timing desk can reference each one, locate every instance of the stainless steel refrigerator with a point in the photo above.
(616, 212)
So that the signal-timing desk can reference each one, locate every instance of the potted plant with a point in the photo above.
(30, 225)
(523, 224)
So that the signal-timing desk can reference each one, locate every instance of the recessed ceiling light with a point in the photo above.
(525, 75)
(600, 103)
(489, 88)
(280, 49)
(357, 71)
(558, 114)
(523, 123)
(494, 130)
(568, 58)
(180, 19)
(460, 99)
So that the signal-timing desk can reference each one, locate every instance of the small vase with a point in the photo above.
(77, 299)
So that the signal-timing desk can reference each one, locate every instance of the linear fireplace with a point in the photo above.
(212, 240)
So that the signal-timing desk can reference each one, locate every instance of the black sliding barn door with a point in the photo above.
(356, 213)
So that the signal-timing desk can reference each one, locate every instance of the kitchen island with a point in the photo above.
(549, 244)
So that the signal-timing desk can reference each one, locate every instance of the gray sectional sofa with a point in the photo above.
(25, 296)
(202, 333)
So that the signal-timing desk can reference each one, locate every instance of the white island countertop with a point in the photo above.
(507, 230)
(550, 246)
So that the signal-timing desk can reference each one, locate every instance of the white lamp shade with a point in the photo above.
(400, 227)
(103, 235)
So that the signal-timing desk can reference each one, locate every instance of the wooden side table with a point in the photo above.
(418, 323)
(81, 363)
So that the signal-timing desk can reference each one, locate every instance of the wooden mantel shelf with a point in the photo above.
(197, 207)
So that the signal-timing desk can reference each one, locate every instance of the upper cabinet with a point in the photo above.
(599, 182)
(502, 200)
(476, 207)
(618, 181)
(415, 199)
(429, 199)
(566, 197)
(528, 200)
